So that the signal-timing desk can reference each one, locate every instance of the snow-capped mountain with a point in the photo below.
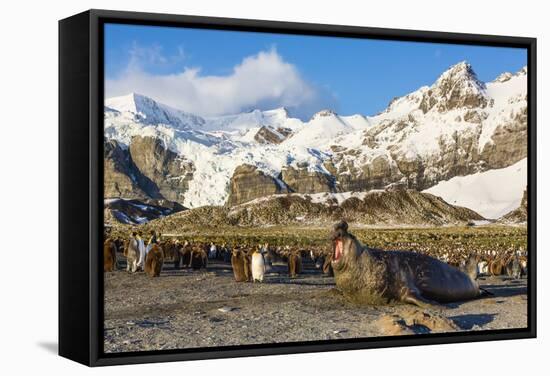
(457, 126)
(144, 110)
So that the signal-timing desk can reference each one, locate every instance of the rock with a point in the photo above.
(413, 321)
(392, 325)
(226, 309)
(377, 174)
(161, 169)
(518, 215)
(339, 331)
(119, 171)
(508, 143)
(268, 135)
(503, 77)
(145, 170)
(136, 211)
(301, 180)
(249, 183)
(435, 322)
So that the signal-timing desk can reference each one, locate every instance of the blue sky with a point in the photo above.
(211, 72)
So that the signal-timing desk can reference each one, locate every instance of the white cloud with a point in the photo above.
(149, 56)
(261, 81)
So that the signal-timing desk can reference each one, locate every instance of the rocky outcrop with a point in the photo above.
(518, 215)
(269, 135)
(388, 207)
(303, 181)
(249, 183)
(161, 169)
(509, 142)
(120, 173)
(132, 212)
(377, 174)
(145, 170)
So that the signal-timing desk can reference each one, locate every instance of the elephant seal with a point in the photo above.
(258, 266)
(374, 276)
(154, 261)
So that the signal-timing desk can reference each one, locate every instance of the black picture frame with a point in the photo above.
(81, 185)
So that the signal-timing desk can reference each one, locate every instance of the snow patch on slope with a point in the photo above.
(491, 193)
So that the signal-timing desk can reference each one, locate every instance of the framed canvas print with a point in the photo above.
(236, 187)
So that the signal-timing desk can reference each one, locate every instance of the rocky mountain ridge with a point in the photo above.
(381, 208)
(135, 212)
(457, 126)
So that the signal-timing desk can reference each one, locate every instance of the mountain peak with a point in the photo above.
(460, 72)
(136, 103)
(130, 102)
(323, 113)
(150, 111)
(457, 87)
(507, 76)
(279, 111)
(503, 77)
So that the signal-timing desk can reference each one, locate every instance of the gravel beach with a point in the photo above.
(189, 309)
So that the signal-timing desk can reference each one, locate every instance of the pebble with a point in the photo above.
(338, 331)
(225, 309)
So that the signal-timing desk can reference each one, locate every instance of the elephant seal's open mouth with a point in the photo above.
(340, 232)
(338, 250)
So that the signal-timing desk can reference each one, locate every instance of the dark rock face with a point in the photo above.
(145, 170)
(509, 142)
(303, 181)
(138, 211)
(163, 169)
(375, 175)
(249, 183)
(268, 135)
(120, 173)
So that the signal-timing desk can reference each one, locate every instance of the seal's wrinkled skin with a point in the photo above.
(373, 276)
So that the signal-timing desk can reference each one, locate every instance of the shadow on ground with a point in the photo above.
(507, 290)
(468, 321)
